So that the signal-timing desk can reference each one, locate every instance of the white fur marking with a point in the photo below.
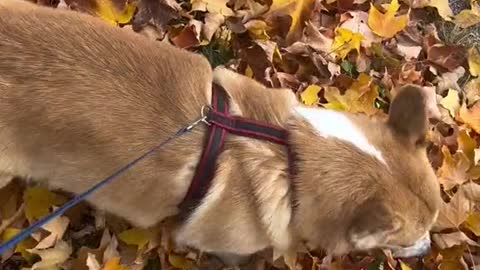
(330, 123)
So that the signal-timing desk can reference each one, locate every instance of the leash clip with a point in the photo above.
(203, 118)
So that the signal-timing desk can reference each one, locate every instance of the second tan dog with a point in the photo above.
(80, 99)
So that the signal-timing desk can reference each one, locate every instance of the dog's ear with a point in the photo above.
(408, 114)
(372, 225)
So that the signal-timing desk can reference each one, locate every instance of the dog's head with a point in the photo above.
(367, 184)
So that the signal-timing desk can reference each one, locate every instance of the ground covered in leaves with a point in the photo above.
(345, 55)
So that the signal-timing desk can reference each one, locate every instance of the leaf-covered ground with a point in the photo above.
(340, 54)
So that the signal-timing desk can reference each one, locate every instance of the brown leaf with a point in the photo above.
(157, 13)
(449, 240)
(455, 212)
(446, 56)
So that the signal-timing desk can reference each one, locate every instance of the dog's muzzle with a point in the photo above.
(420, 248)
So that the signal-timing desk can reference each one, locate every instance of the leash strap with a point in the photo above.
(34, 227)
(222, 122)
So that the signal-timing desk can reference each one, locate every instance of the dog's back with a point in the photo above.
(58, 96)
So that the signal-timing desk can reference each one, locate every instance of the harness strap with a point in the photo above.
(222, 122)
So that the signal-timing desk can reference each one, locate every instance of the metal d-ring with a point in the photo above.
(204, 111)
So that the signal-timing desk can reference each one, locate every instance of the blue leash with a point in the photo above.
(32, 228)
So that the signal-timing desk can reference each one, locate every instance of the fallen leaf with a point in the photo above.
(346, 41)
(213, 6)
(157, 13)
(57, 228)
(448, 56)
(451, 102)
(442, 7)
(38, 202)
(387, 25)
(135, 236)
(473, 223)
(179, 262)
(454, 169)
(52, 258)
(448, 240)
(470, 116)
(356, 22)
(468, 17)
(310, 95)
(474, 61)
(92, 262)
(455, 212)
(23, 246)
(114, 264)
(110, 13)
(472, 91)
(297, 10)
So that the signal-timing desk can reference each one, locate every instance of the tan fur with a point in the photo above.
(80, 98)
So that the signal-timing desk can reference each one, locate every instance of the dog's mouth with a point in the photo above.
(420, 248)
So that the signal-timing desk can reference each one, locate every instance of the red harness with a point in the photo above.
(221, 123)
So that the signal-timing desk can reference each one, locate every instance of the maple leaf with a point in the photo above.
(297, 10)
(468, 17)
(23, 246)
(470, 116)
(387, 25)
(454, 169)
(359, 98)
(346, 41)
(455, 212)
(356, 22)
(473, 223)
(108, 12)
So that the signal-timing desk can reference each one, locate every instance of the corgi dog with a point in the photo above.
(80, 98)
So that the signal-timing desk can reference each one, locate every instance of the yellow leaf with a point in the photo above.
(137, 237)
(298, 10)
(443, 8)
(257, 29)
(114, 264)
(470, 116)
(454, 169)
(404, 266)
(346, 41)
(249, 71)
(52, 258)
(473, 223)
(387, 25)
(474, 61)
(310, 95)
(38, 202)
(451, 102)
(212, 6)
(179, 261)
(467, 144)
(108, 12)
(22, 247)
(359, 98)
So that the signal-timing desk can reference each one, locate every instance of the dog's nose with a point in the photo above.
(420, 248)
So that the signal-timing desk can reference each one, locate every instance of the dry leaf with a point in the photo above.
(114, 264)
(310, 95)
(297, 10)
(180, 262)
(213, 6)
(454, 169)
(57, 228)
(346, 41)
(474, 61)
(451, 102)
(387, 24)
(473, 223)
(356, 22)
(470, 116)
(455, 212)
(135, 236)
(110, 13)
(52, 258)
(38, 202)
(448, 240)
